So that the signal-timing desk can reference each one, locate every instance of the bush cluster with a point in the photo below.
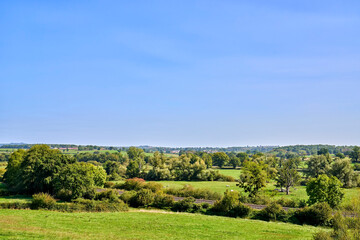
(14, 205)
(317, 214)
(42, 201)
(272, 212)
(230, 205)
(190, 191)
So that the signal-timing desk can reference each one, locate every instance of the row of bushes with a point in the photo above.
(147, 198)
(46, 201)
(136, 184)
(190, 191)
(229, 205)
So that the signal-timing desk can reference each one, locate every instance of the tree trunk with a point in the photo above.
(287, 190)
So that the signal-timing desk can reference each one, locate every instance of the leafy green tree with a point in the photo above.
(207, 159)
(183, 169)
(13, 169)
(344, 171)
(235, 161)
(39, 166)
(243, 156)
(287, 175)
(340, 155)
(325, 189)
(157, 160)
(253, 177)
(355, 154)
(318, 165)
(113, 170)
(220, 159)
(99, 175)
(75, 180)
(323, 151)
(134, 153)
(133, 169)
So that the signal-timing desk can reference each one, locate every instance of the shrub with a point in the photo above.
(110, 195)
(190, 191)
(90, 194)
(287, 202)
(132, 184)
(273, 211)
(317, 214)
(64, 194)
(143, 198)
(260, 200)
(239, 210)
(42, 201)
(153, 186)
(14, 205)
(185, 205)
(322, 236)
(206, 205)
(5, 192)
(227, 178)
(127, 196)
(109, 184)
(99, 206)
(228, 202)
(163, 201)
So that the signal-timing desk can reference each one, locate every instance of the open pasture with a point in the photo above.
(31, 224)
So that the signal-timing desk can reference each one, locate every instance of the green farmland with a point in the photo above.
(30, 224)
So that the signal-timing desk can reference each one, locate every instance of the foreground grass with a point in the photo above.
(30, 224)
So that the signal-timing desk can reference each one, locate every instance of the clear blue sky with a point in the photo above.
(180, 73)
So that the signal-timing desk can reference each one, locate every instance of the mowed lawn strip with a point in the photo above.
(29, 224)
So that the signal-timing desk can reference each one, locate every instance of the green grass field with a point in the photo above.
(31, 224)
(235, 173)
(295, 194)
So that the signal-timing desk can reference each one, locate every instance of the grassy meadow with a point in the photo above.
(31, 224)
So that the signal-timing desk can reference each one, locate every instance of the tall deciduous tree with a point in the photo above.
(355, 154)
(318, 165)
(325, 189)
(287, 175)
(220, 159)
(344, 171)
(253, 177)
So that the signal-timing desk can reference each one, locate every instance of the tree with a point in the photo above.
(13, 169)
(75, 180)
(355, 154)
(37, 169)
(288, 175)
(344, 171)
(318, 165)
(325, 189)
(323, 151)
(235, 161)
(253, 177)
(133, 169)
(340, 155)
(243, 156)
(207, 159)
(220, 159)
(134, 153)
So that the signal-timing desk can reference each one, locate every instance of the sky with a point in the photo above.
(180, 73)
